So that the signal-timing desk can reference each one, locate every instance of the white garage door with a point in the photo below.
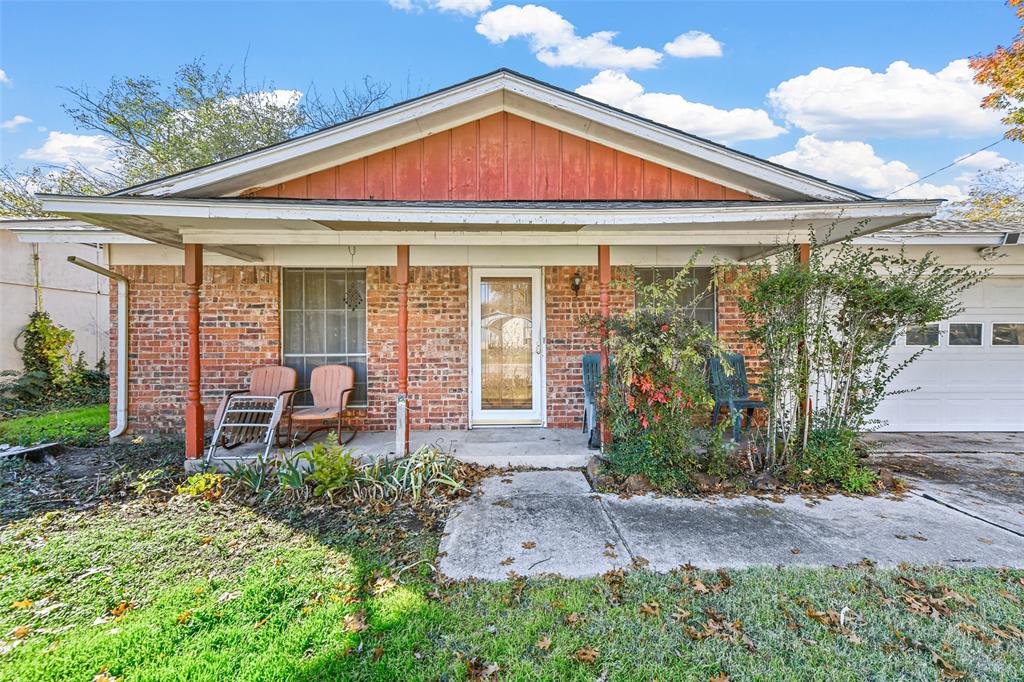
(973, 377)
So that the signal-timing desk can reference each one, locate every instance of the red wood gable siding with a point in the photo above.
(502, 156)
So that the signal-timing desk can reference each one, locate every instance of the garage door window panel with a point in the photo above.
(965, 333)
(926, 335)
(1008, 334)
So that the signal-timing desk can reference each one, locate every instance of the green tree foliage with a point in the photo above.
(995, 195)
(201, 116)
(829, 325)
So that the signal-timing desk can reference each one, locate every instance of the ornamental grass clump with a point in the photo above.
(658, 403)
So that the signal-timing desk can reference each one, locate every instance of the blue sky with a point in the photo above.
(869, 94)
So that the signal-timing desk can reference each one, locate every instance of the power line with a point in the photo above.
(948, 165)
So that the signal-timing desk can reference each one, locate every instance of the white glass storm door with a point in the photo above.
(506, 346)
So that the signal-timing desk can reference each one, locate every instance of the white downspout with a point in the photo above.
(121, 419)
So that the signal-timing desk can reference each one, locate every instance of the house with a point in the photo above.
(397, 241)
(33, 273)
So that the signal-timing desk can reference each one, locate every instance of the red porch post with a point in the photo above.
(803, 257)
(604, 273)
(194, 406)
(402, 422)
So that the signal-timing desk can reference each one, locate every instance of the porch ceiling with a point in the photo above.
(229, 225)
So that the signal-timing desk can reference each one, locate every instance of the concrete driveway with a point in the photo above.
(981, 474)
(965, 509)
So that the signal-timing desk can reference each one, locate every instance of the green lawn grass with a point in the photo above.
(183, 589)
(81, 426)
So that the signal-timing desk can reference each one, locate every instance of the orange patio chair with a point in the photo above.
(331, 387)
(268, 381)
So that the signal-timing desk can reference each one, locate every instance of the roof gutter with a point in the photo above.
(254, 209)
(121, 419)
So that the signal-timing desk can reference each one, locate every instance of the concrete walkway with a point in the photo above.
(551, 522)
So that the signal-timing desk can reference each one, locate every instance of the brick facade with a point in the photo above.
(241, 330)
(566, 342)
(438, 347)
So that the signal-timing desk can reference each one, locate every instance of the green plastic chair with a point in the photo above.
(732, 390)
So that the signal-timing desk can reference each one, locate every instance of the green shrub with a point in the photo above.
(658, 402)
(830, 458)
(81, 427)
(207, 485)
(334, 466)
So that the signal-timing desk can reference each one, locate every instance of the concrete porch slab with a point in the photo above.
(531, 447)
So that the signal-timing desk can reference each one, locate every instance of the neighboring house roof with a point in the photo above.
(501, 90)
(64, 230)
(944, 226)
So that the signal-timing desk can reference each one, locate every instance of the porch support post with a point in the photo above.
(803, 257)
(604, 273)
(194, 406)
(402, 406)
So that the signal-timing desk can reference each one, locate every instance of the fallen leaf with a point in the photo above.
(21, 632)
(587, 654)
(529, 544)
(1003, 593)
(356, 622)
(651, 609)
(507, 560)
(720, 677)
(377, 653)
(544, 643)
(207, 540)
(23, 604)
(502, 503)
(184, 618)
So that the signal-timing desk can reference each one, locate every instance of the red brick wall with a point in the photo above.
(567, 343)
(438, 347)
(240, 329)
(731, 323)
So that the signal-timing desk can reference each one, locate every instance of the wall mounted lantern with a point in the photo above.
(577, 282)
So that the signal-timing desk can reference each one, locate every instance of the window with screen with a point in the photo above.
(324, 322)
(700, 298)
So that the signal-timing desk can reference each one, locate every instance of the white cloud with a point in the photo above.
(94, 152)
(468, 7)
(985, 160)
(901, 101)
(855, 164)
(724, 125)
(4, 78)
(694, 44)
(13, 123)
(555, 42)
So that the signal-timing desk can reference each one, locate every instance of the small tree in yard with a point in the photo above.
(830, 325)
(658, 403)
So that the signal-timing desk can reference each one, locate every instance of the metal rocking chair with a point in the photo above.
(251, 416)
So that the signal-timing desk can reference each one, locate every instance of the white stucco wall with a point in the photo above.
(74, 297)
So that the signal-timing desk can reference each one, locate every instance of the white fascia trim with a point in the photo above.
(37, 236)
(249, 209)
(917, 238)
(314, 142)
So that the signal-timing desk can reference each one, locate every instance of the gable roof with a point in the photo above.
(501, 90)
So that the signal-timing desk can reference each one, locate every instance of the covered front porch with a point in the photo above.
(424, 264)
(530, 447)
